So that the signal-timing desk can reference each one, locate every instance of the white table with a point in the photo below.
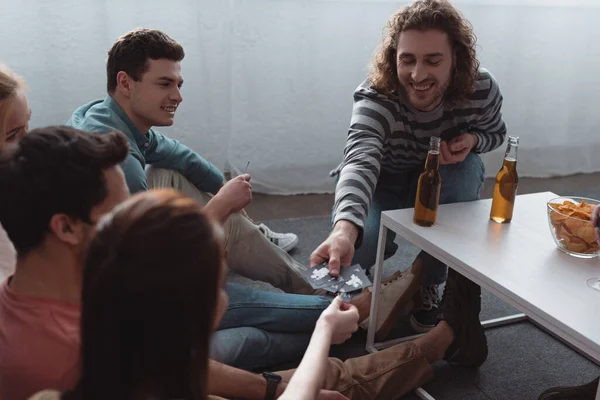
(517, 262)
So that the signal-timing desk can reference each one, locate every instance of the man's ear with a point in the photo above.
(124, 83)
(67, 230)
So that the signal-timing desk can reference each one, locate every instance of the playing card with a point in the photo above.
(317, 276)
(333, 284)
(355, 279)
(346, 297)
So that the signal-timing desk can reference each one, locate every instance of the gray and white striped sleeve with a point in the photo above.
(491, 129)
(369, 125)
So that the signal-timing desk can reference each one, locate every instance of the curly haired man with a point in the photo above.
(424, 81)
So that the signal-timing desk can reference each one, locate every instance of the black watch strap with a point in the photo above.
(272, 383)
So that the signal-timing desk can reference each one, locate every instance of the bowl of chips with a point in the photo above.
(570, 223)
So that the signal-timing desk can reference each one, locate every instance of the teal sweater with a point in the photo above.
(151, 148)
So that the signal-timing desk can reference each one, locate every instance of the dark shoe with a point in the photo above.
(426, 318)
(460, 308)
(583, 392)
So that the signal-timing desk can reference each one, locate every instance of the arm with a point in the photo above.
(135, 176)
(170, 154)
(490, 129)
(370, 124)
(308, 378)
(233, 383)
(232, 197)
(335, 325)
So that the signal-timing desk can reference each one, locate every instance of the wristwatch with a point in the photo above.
(272, 383)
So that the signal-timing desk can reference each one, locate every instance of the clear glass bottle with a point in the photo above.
(428, 189)
(505, 189)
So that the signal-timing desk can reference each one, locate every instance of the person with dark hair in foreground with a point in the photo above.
(55, 184)
(145, 334)
(424, 81)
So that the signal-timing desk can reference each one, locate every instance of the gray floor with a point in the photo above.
(523, 360)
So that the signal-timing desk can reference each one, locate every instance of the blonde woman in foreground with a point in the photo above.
(14, 123)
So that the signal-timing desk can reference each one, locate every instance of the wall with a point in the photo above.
(271, 81)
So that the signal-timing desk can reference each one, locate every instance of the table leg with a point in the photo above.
(377, 277)
(422, 394)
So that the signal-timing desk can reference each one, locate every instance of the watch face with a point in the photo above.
(272, 377)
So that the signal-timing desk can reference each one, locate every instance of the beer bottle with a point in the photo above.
(505, 189)
(428, 189)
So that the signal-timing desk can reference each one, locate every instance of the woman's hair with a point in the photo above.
(150, 289)
(10, 83)
(423, 15)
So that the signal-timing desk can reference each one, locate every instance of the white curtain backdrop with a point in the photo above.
(271, 81)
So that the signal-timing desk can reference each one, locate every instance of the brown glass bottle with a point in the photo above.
(428, 189)
(505, 189)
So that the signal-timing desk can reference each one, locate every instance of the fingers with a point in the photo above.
(334, 263)
(458, 145)
(319, 256)
(445, 155)
(338, 302)
(245, 177)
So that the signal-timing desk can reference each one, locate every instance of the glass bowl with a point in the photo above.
(571, 229)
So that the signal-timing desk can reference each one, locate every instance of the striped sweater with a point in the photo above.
(387, 134)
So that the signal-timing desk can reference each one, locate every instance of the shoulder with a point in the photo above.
(97, 117)
(486, 89)
(486, 82)
(366, 90)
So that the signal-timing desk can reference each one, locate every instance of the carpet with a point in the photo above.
(523, 360)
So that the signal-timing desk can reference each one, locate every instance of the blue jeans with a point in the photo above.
(460, 182)
(261, 329)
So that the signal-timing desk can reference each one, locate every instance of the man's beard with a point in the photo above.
(437, 96)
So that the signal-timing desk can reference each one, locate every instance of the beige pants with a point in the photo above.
(249, 253)
(388, 374)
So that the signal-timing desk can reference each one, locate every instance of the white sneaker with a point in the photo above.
(286, 241)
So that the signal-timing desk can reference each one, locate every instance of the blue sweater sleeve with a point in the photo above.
(135, 175)
(167, 153)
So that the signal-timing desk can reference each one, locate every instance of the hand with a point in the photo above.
(337, 249)
(595, 217)
(341, 318)
(235, 194)
(457, 149)
(330, 395)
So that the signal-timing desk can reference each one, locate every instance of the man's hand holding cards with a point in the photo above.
(348, 284)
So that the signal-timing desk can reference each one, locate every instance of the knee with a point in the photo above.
(159, 177)
(231, 346)
(462, 181)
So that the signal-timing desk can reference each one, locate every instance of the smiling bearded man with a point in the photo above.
(424, 81)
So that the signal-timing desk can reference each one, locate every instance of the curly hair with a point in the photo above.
(423, 15)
